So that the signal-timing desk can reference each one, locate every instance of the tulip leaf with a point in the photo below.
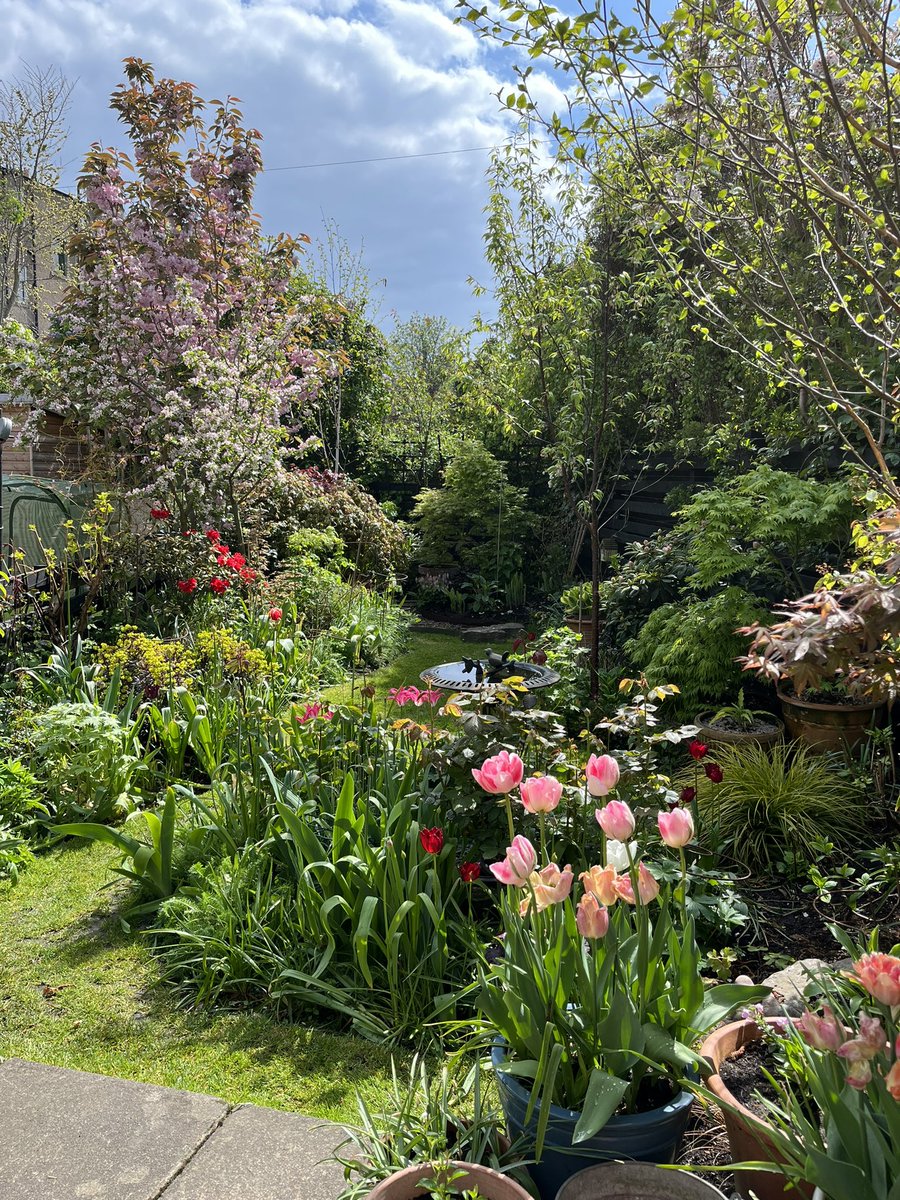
(721, 1001)
(604, 1095)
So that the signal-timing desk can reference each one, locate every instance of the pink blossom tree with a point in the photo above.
(177, 349)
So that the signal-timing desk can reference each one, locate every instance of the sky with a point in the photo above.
(324, 81)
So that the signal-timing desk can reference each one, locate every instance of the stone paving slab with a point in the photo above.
(69, 1135)
(262, 1154)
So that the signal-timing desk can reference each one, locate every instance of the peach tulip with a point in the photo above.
(880, 976)
(520, 861)
(541, 793)
(600, 882)
(892, 1080)
(676, 828)
(648, 888)
(500, 774)
(591, 917)
(602, 773)
(616, 820)
(549, 886)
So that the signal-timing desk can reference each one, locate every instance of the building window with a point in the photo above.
(62, 262)
(22, 286)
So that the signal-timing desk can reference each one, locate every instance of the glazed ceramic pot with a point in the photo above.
(646, 1137)
(830, 726)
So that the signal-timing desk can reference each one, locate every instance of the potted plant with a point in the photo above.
(835, 1123)
(735, 724)
(833, 659)
(748, 1135)
(577, 604)
(443, 1180)
(591, 1009)
(431, 1127)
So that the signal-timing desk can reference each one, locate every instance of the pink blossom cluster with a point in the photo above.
(412, 695)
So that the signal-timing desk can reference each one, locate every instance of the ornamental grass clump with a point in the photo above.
(777, 799)
(597, 1003)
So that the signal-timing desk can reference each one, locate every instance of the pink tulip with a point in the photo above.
(602, 774)
(541, 793)
(822, 1033)
(872, 1040)
(520, 861)
(500, 774)
(601, 883)
(892, 1080)
(549, 886)
(616, 820)
(648, 888)
(591, 918)
(859, 1075)
(880, 976)
(676, 828)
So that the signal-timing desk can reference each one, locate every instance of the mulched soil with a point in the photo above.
(706, 1145)
(743, 1075)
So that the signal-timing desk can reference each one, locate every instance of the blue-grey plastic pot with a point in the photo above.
(643, 1137)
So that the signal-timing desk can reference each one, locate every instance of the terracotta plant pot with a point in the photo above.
(584, 627)
(830, 726)
(714, 736)
(636, 1181)
(748, 1143)
(404, 1185)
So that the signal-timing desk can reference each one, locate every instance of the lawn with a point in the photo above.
(424, 650)
(77, 990)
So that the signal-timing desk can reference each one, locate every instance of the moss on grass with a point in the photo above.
(77, 990)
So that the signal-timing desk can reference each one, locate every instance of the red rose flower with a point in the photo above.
(187, 585)
(275, 614)
(213, 535)
(218, 585)
(714, 772)
(432, 840)
(687, 795)
(698, 751)
(160, 514)
(469, 872)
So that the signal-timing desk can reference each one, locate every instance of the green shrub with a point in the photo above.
(376, 547)
(323, 546)
(145, 662)
(693, 644)
(779, 801)
(85, 756)
(764, 527)
(476, 520)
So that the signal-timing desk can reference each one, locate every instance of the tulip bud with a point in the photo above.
(616, 820)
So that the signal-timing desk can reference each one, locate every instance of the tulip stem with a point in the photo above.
(509, 817)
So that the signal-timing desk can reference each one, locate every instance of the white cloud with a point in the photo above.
(324, 80)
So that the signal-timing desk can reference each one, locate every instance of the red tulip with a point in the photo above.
(432, 840)
(714, 772)
(469, 872)
(687, 795)
(275, 614)
(698, 750)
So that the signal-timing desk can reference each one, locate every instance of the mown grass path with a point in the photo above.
(77, 990)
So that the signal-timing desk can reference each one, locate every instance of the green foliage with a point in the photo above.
(648, 574)
(87, 759)
(693, 644)
(146, 862)
(765, 525)
(20, 794)
(477, 520)
(779, 800)
(144, 662)
(324, 546)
